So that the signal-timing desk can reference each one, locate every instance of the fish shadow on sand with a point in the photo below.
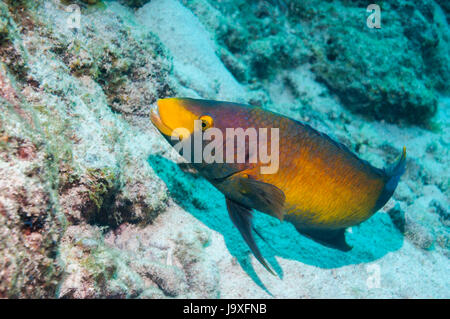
(371, 240)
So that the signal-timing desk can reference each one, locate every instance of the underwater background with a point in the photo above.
(94, 203)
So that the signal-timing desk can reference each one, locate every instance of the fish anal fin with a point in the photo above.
(333, 238)
(241, 217)
(262, 196)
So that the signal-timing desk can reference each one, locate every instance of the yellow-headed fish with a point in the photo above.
(321, 187)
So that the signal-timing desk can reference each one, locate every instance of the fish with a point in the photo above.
(320, 186)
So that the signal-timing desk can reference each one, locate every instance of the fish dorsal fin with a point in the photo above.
(241, 217)
(333, 238)
(261, 196)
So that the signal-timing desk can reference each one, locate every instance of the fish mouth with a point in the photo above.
(172, 119)
(156, 120)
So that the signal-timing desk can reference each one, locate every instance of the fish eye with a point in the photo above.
(207, 122)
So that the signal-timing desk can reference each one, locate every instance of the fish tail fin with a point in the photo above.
(393, 174)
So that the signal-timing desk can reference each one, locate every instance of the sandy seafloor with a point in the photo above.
(94, 202)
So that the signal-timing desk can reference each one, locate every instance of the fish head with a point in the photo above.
(179, 118)
(174, 115)
(170, 116)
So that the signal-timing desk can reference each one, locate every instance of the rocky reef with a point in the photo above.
(95, 204)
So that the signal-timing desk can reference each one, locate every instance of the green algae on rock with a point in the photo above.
(380, 72)
(65, 164)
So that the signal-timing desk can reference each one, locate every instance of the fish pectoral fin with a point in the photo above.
(241, 217)
(264, 197)
(333, 238)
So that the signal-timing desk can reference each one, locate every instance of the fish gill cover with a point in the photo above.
(95, 203)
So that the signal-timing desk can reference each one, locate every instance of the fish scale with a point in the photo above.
(297, 176)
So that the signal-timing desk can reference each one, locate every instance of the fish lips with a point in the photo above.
(159, 124)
